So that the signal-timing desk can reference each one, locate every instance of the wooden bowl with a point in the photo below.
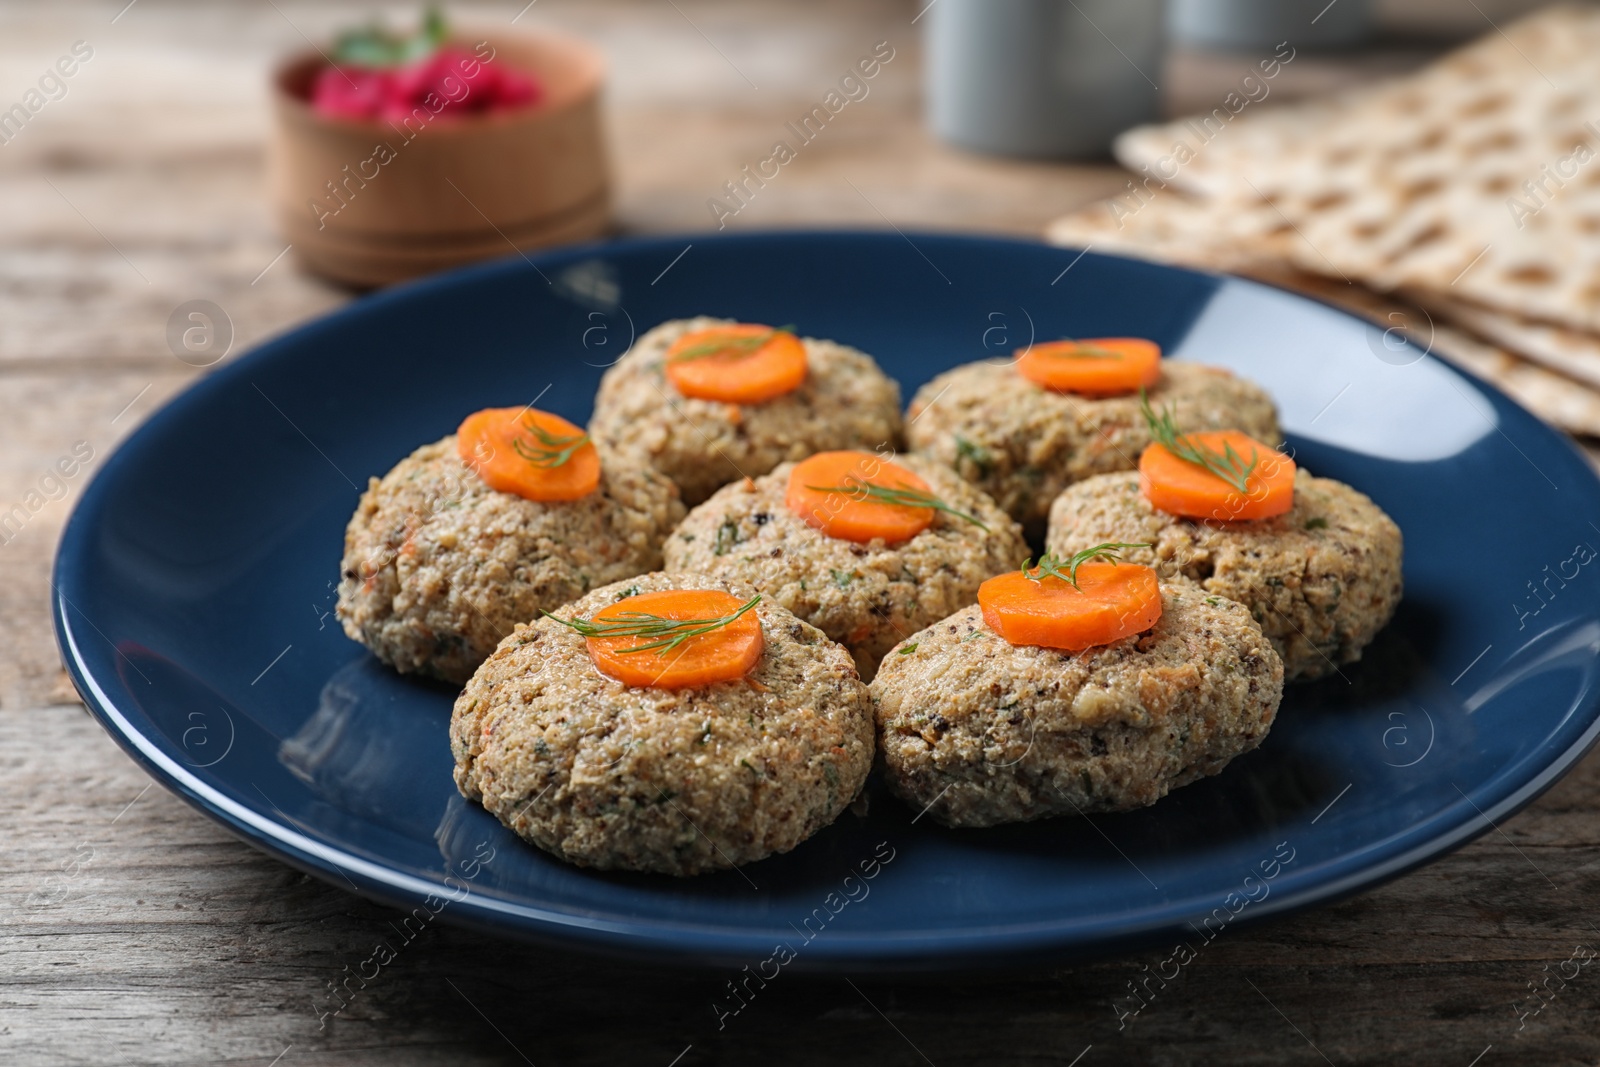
(369, 202)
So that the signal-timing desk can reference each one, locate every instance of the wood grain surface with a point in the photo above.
(135, 931)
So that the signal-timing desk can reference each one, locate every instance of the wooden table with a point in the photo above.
(133, 930)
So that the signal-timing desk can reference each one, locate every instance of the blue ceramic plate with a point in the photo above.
(195, 585)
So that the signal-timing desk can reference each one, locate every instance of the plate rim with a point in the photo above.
(1445, 831)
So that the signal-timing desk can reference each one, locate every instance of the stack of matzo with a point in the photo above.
(1470, 190)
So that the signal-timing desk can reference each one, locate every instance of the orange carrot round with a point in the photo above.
(859, 496)
(1258, 485)
(1111, 601)
(674, 639)
(743, 363)
(1102, 366)
(531, 453)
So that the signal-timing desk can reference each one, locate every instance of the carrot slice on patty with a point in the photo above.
(860, 496)
(743, 363)
(1221, 475)
(674, 639)
(1042, 606)
(1102, 366)
(1240, 478)
(530, 453)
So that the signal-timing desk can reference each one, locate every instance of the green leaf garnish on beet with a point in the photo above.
(377, 46)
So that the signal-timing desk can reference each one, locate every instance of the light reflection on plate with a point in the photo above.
(1319, 364)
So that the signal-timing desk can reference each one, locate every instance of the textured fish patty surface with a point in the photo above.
(1023, 444)
(438, 567)
(979, 732)
(677, 781)
(1321, 579)
(867, 596)
(845, 402)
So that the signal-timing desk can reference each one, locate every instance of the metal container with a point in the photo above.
(1255, 24)
(1042, 78)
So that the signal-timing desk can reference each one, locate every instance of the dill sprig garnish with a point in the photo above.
(1227, 464)
(1083, 350)
(729, 347)
(548, 450)
(902, 495)
(668, 633)
(1053, 566)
